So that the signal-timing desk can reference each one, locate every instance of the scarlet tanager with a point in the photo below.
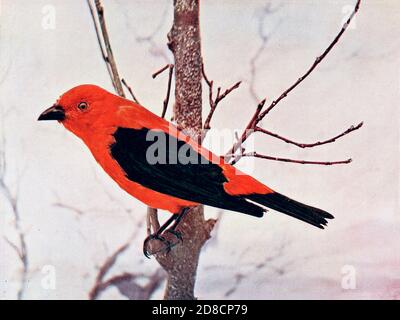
(120, 134)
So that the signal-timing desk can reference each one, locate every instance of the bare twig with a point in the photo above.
(98, 36)
(127, 285)
(12, 198)
(108, 264)
(315, 64)
(130, 91)
(20, 248)
(170, 74)
(309, 145)
(158, 72)
(165, 107)
(246, 133)
(258, 116)
(105, 46)
(125, 282)
(262, 156)
(102, 286)
(214, 102)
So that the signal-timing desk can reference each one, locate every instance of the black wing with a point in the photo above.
(160, 162)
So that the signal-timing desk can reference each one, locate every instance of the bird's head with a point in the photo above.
(83, 109)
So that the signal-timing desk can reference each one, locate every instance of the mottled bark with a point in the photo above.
(182, 261)
(184, 41)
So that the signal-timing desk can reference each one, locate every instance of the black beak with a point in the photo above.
(53, 113)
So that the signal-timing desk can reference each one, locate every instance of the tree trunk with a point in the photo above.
(184, 41)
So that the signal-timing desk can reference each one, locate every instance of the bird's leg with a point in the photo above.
(158, 236)
(178, 219)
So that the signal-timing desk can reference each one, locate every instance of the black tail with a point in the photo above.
(279, 202)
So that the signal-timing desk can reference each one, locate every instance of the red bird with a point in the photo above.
(158, 164)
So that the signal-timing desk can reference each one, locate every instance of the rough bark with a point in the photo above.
(184, 41)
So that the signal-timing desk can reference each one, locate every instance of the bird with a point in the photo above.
(157, 163)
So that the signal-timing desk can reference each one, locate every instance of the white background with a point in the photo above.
(358, 81)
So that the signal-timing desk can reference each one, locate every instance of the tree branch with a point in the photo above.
(262, 156)
(125, 282)
(246, 133)
(309, 145)
(184, 41)
(21, 248)
(104, 269)
(317, 61)
(127, 285)
(170, 74)
(105, 46)
(130, 91)
(258, 116)
(214, 102)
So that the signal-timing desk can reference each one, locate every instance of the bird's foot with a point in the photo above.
(167, 245)
(165, 242)
(177, 234)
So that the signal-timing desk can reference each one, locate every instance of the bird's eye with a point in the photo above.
(82, 106)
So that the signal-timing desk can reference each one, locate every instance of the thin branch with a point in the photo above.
(203, 72)
(21, 248)
(96, 27)
(105, 268)
(130, 91)
(127, 286)
(108, 57)
(158, 72)
(166, 100)
(314, 65)
(246, 133)
(13, 246)
(214, 102)
(259, 116)
(105, 46)
(101, 284)
(262, 156)
(309, 145)
(95, 292)
(170, 75)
